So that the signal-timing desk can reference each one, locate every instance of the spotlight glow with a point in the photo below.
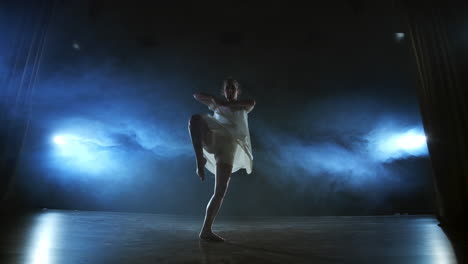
(389, 144)
(82, 153)
(59, 140)
(410, 141)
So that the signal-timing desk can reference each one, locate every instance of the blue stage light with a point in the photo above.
(59, 140)
(390, 144)
(83, 154)
(410, 140)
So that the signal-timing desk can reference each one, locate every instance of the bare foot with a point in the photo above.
(201, 167)
(210, 236)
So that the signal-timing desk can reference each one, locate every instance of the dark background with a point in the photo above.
(332, 85)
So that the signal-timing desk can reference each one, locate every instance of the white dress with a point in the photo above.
(230, 141)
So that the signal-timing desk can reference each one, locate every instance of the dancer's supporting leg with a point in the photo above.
(198, 132)
(223, 176)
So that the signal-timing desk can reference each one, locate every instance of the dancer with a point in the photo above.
(222, 144)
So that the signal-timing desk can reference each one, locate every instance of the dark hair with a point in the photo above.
(230, 80)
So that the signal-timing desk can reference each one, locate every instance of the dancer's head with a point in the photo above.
(231, 89)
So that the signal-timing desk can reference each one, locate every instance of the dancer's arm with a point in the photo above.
(209, 100)
(247, 104)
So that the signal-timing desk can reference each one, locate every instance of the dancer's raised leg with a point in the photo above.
(223, 176)
(198, 132)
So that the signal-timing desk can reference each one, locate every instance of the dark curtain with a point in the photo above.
(22, 52)
(437, 30)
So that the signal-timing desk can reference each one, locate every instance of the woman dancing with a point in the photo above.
(222, 144)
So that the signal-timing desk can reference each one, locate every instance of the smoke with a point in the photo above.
(101, 124)
(353, 142)
(109, 121)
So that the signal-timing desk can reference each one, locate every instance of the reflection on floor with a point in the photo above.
(56, 236)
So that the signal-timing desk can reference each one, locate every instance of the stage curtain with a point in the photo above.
(22, 49)
(438, 35)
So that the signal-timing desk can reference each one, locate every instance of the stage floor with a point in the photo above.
(67, 237)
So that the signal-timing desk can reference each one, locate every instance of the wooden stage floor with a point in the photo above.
(67, 237)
